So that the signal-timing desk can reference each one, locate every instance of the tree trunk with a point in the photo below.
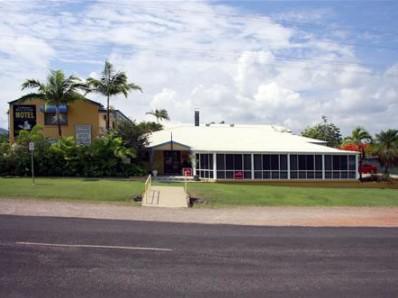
(361, 159)
(58, 121)
(107, 115)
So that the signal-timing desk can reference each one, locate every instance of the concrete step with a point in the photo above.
(165, 196)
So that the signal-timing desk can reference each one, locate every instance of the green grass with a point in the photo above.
(98, 190)
(229, 195)
(214, 194)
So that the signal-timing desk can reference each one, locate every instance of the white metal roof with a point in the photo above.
(239, 138)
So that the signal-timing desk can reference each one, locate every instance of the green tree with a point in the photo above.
(386, 148)
(110, 84)
(360, 138)
(159, 114)
(134, 135)
(325, 131)
(56, 90)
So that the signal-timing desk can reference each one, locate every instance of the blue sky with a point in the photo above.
(278, 62)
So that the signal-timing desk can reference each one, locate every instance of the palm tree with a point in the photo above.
(57, 90)
(387, 148)
(111, 83)
(159, 114)
(359, 137)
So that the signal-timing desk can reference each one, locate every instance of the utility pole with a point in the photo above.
(32, 149)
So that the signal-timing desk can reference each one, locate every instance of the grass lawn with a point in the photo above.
(229, 195)
(84, 189)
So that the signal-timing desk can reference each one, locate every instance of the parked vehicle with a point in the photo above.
(368, 169)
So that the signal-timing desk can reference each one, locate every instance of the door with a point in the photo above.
(172, 162)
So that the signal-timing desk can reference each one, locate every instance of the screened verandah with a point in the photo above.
(286, 166)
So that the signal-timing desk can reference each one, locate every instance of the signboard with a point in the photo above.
(31, 146)
(83, 134)
(24, 117)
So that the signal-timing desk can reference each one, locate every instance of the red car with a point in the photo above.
(367, 169)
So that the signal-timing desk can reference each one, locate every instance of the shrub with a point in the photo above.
(105, 157)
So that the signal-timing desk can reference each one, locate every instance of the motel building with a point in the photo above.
(84, 120)
(246, 152)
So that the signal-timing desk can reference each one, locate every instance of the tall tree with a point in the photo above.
(111, 83)
(386, 148)
(57, 90)
(360, 138)
(325, 131)
(159, 114)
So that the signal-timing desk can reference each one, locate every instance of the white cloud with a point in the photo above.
(234, 65)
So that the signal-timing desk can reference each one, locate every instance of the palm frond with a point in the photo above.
(31, 83)
(133, 86)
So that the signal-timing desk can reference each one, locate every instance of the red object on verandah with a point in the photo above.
(238, 175)
(187, 171)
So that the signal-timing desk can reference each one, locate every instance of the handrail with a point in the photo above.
(147, 187)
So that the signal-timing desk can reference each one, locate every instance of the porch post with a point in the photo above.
(252, 163)
(288, 166)
(193, 162)
(323, 166)
(214, 166)
(357, 166)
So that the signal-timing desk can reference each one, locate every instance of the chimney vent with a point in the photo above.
(197, 117)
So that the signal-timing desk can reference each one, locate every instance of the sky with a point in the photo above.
(286, 63)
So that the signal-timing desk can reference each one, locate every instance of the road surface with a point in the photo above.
(61, 257)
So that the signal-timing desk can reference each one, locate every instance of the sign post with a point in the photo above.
(31, 149)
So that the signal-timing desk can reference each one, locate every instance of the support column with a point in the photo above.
(193, 162)
(288, 166)
(252, 163)
(214, 166)
(357, 166)
(323, 166)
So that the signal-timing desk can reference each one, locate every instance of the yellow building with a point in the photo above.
(82, 119)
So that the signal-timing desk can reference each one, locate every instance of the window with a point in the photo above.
(283, 162)
(340, 167)
(238, 162)
(257, 162)
(204, 163)
(51, 118)
(220, 161)
(266, 162)
(229, 161)
(293, 162)
(270, 166)
(234, 166)
(274, 162)
(247, 162)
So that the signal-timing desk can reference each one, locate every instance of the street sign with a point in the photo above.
(31, 146)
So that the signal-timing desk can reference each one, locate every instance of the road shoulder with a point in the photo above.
(257, 216)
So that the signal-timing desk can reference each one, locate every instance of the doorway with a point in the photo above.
(172, 162)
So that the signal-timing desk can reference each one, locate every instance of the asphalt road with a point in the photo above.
(106, 258)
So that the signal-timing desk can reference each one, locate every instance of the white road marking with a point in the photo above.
(94, 246)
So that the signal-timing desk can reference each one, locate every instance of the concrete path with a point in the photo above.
(166, 196)
(258, 216)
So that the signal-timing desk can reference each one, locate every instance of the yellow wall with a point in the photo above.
(158, 162)
(79, 112)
